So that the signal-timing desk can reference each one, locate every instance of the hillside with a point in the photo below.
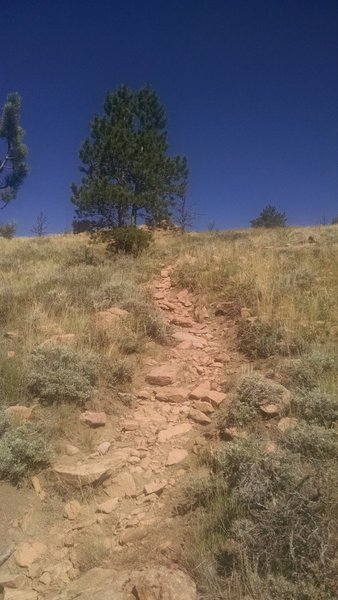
(168, 422)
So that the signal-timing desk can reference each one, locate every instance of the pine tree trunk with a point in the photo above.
(133, 216)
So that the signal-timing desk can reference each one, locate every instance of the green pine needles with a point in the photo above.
(127, 172)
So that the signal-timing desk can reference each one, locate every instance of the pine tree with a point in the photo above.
(269, 217)
(127, 171)
(13, 168)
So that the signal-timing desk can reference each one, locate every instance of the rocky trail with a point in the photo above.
(118, 508)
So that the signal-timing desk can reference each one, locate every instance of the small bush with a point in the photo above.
(130, 343)
(148, 323)
(92, 552)
(8, 231)
(304, 373)
(311, 441)
(62, 374)
(252, 473)
(256, 390)
(4, 421)
(258, 339)
(238, 414)
(127, 240)
(120, 371)
(23, 450)
(316, 406)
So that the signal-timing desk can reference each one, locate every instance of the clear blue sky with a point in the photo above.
(250, 88)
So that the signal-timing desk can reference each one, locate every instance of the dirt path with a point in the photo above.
(130, 523)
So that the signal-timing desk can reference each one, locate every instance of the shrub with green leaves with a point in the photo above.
(126, 240)
(120, 371)
(63, 374)
(258, 339)
(23, 450)
(305, 372)
(256, 390)
(311, 441)
(316, 406)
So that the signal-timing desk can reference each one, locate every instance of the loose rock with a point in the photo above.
(176, 456)
(199, 417)
(167, 434)
(93, 419)
(163, 375)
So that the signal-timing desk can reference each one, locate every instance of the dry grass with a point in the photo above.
(55, 286)
(262, 526)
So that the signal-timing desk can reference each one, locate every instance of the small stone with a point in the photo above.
(199, 417)
(176, 395)
(246, 312)
(126, 486)
(72, 510)
(176, 456)
(182, 321)
(144, 395)
(155, 487)
(200, 391)
(55, 340)
(103, 448)
(287, 423)
(108, 506)
(12, 335)
(93, 419)
(46, 578)
(27, 553)
(10, 594)
(23, 413)
(175, 430)
(37, 487)
(10, 353)
(230, 433)
(71, 450)
(204, 407)
(214, 397)
(270, 410)
(130, 425)
(163, 375)
(133, 535)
